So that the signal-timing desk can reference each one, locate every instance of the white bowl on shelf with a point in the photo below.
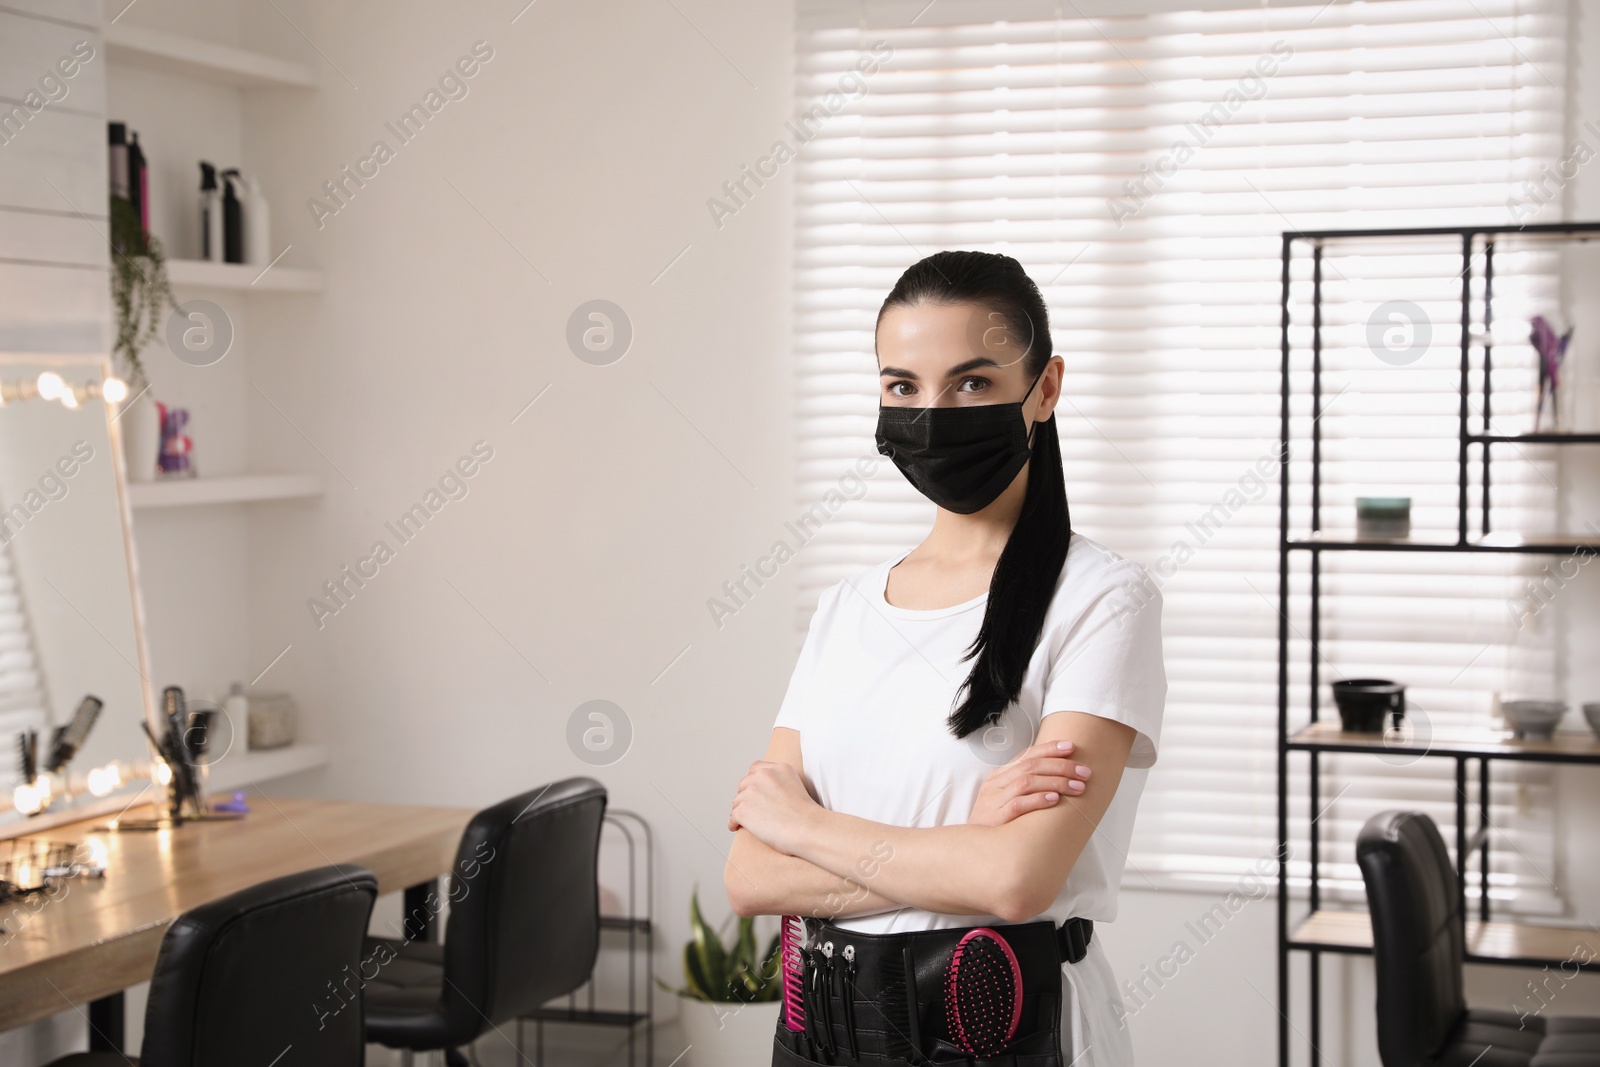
(1592, 713)
(1533, 720)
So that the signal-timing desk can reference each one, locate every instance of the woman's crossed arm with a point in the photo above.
(792, 856)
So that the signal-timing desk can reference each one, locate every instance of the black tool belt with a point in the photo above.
(887, 999)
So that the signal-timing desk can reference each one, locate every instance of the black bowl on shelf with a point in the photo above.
(1364, 702)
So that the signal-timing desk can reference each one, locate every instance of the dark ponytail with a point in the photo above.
(1030, 565)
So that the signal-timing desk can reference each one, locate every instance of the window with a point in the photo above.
(1142, 168)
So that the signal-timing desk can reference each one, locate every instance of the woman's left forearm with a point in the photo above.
(1012, 871)
(760, 880)
(953, 870)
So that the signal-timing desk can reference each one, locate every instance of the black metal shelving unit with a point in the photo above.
(1320, 931)
(640, 930)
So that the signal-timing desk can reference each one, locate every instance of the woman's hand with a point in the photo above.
(1035, 779)
(773, 803)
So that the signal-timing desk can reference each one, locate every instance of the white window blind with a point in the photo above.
(1142, 167)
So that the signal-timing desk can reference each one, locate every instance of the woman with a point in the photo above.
(906, 799)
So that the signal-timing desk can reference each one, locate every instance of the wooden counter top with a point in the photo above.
(93, 937)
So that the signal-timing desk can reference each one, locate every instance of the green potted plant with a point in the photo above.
(140, 295)
(731, 996)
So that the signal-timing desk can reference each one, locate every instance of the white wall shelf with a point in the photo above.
(243, 489)
(205, 274)
(240, 767)
(191, 57)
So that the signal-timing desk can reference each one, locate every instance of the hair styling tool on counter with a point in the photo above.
(179, 753)
(69, 739)
(185, 782)
(27, 755)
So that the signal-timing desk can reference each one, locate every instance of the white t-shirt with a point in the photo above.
(873, 687)
(875, 683)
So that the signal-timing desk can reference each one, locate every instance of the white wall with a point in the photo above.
(579, 563)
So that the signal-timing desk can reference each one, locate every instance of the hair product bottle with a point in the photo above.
(138, 182)
(210, 214)
(232, 218)
(117, 156)
(257, 225)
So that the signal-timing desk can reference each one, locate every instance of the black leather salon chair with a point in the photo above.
(524, 924)
(244, 978)
(1418, 948)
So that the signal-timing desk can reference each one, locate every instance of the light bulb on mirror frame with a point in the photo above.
(26, 800)
(114, 390)
(103, 781)
(160, 772)
(30, 798)
(49, 385)
(69, 398)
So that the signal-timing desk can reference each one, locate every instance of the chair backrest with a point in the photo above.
(274, 966)
(1418, 949)
(524, 922)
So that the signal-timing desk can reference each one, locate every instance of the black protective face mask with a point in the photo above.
(960, 458)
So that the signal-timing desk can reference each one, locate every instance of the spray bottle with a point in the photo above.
(232, 218)
(257, 225)
(210, 214)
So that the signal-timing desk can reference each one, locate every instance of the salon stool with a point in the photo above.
(524, 925)
(1419, 951)
(253, 973)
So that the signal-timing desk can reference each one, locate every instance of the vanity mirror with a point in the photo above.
(74, 669)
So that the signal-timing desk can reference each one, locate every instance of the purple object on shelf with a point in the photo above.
(173, 457)
(1552, 350)
(236, 804)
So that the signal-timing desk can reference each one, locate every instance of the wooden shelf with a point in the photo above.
(243, 489)
(1496, 941)
(1567, 747)
(191, 57)
(1533, 544)
(240, 767)
(205, 274)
